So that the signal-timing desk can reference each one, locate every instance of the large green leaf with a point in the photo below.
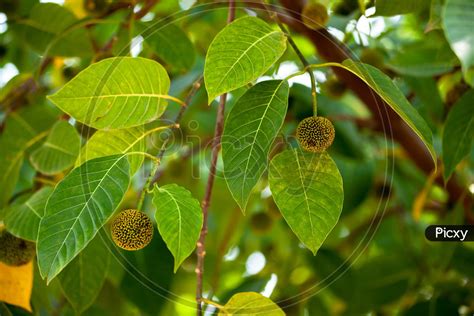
(52, 26)
(59, 151)
(79, 206)
(396, 7)
(430, 57)
(241, 53)
(251, 303)
(458, 25)
(250, 129)
(179, 219)
(391, 94)
(116, 93)
(22, 130)
(307, 189)
(171, 45)
(23, 220)
(458, 132)
(82, 280)
(118, 141)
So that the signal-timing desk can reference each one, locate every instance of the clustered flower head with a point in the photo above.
(132, 230)
(315, 134)
(15, 251)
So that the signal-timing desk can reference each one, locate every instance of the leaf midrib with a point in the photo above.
(179, 222)
(104, 96)
(304, 190)
(257, 132)
(80, 213)
(242, 55)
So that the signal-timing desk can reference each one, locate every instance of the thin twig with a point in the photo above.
(303, 61)
(154, 174)
(201, 248)
(195, 88)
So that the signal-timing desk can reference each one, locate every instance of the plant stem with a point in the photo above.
(195, 87)
(146, 187)
(209, 302)
(153, 176)
(201, 248)
(305, 64)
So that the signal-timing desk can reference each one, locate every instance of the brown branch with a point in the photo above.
(201, 248)
(331, 49)
(155, 173)
(216, 144)
(195, 88)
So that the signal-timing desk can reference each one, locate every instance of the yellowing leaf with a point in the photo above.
(251, 303)
(16, 284)
(116, 93)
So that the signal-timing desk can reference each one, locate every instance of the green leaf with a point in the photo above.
(52, 26)
(396, 7)
(119, 141)
(458, 132)
(82, 280)
(430, 57)
(250, 129)
(458, 25)
(116, 93)
(307, 189)
(59, 151)
(251, 303)
(171, 45)
(23, 220)
(22, 130)
(179, 219)
(241, 53)
(391, 94)
(79, 206)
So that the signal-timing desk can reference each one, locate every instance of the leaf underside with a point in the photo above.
(116, 93)
(79, 206)
(307, 189)
(241, 53)
(250, 129)
(179, 219)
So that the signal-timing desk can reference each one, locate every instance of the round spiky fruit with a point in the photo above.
(315, 134)
(132, 230)
(315, 15)
(15, 251)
